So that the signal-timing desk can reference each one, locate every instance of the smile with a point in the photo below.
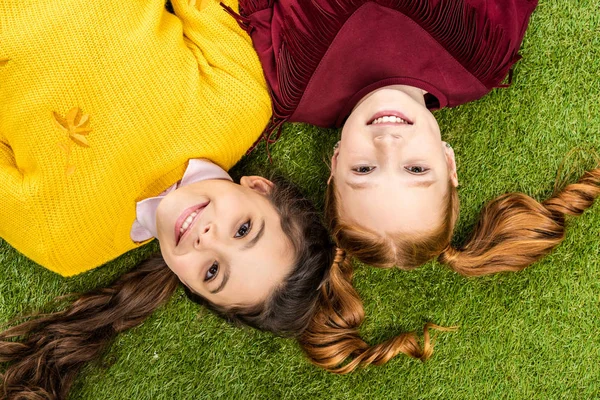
(392, 119)
(389, 117)
(186, 220)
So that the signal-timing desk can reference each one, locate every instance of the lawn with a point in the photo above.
(532, 334)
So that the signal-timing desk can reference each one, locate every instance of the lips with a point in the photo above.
(186, 220)
(395, 115)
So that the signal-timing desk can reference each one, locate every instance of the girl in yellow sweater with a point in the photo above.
(109, 113)
(102, 104)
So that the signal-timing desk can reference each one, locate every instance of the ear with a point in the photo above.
(257, 183)
(334, 157)
(451, 161)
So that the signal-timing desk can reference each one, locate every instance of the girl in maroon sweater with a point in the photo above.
(376, 68)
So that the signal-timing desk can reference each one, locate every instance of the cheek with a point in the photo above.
(161, 228)
(180, 265)
(357, 147)
(169, 258)
(433, 129)
(186, 272)
(350, 133)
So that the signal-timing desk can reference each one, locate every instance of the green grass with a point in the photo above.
(533, 334)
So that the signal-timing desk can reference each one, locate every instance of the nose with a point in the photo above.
(205, 236)
(388, 139)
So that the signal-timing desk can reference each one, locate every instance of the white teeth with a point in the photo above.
(389, 118)
(188, 221)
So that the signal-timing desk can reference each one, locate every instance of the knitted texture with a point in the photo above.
(102, 103)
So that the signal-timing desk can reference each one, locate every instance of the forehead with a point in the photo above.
(389, 207)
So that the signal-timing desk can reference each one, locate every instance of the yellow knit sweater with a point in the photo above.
(101, 104)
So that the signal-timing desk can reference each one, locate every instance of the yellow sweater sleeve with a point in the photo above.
(11, 179)
(8, 167)
(102, 104)
(16, 204)
(204, 33)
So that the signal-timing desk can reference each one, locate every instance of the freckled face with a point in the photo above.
(224, 241)
(391, 169)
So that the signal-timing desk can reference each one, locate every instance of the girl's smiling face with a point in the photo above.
(224, 241)
(391, 169)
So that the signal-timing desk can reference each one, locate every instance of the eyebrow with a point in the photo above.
(418, 183)
(223, 282)
(358, 186)
(423, 183)
(256, 238)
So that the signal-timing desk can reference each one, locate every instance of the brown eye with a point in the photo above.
(363, 169)
(416, 169)
(242, 230)
(212, 272)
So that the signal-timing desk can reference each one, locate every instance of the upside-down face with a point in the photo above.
(391, 168)
(224, 241)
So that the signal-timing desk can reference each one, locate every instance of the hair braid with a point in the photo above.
(332, 336)
(515, 230)
(52, 348)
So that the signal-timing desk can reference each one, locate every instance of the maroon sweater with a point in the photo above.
(320, 57)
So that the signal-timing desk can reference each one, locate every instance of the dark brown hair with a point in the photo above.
(50, 349)
(289, 308)
(44, 353)
(513, 231)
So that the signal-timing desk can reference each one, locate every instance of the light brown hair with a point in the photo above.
(513, 231)
(332, 336)
(401, 250)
